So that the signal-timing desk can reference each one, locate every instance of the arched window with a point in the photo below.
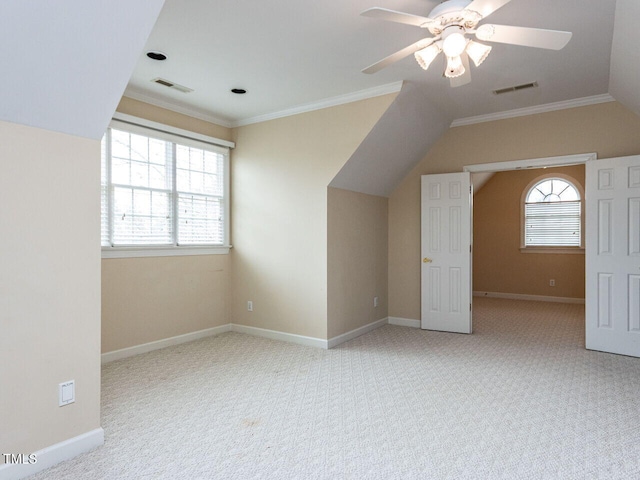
(552, 214)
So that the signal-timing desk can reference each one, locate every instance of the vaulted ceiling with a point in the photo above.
(67, 66)
(289, 54)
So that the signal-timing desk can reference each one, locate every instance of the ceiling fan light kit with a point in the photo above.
(449, 23)
(478, 52)
(427, 55)
(454, 67)
(453, 41)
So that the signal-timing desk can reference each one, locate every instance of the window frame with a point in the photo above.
(175, 135)
(552, 248)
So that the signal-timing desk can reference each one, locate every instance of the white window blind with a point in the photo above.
(161, 190)
(553, 214)
(200, 190)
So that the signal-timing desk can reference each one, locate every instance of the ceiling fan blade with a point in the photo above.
(527, 37)
(393, 16)
(465, 77)
(399, 55)
(486, 7)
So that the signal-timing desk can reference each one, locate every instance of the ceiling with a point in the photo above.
(66, 66)
(290, 54)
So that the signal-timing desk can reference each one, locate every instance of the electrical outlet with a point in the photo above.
(66, 393)
(250, 306)
(375, 301)
(552, 283)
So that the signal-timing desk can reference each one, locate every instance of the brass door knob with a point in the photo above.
(426, 260)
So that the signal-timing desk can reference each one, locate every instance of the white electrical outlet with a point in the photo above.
(250, 306)
(552, 283)
(66, 393)
(375, 301)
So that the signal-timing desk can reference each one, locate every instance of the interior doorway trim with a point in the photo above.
(561, 161)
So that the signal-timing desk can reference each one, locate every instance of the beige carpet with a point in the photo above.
(520, 398)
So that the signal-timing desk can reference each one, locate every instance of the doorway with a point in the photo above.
(612, 246)
(538, 277)
(525, 250)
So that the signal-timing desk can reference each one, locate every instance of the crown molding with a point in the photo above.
(521, 112)
(307, 107)
(176, 108)
(325, 103)
(363, 95)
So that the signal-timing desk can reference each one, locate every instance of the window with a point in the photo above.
(552, 214)
(161, 191)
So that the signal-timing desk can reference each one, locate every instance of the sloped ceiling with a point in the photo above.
(293, 53)
(66, 64)
(624, 81)
(400, 139)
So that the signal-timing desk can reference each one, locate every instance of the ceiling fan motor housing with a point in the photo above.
(449, 6)
(449, 13)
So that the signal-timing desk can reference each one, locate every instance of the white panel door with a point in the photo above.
(446, 252)
(613, 255)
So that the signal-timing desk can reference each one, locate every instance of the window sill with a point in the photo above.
(135, 252)
(556, 250)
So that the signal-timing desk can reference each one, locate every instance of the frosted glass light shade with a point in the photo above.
(425, 56)
(454, 67)
(454, 44)
(477, 52)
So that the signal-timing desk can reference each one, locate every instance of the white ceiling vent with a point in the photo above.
(516, 88)
(170, 84)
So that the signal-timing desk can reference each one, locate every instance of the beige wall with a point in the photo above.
(149, 299)
(357, 260)
(168, 117)
(281, 169)
(608, 129)
(49, 286)
(498, 263)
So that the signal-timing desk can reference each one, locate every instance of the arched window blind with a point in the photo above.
(553, 214)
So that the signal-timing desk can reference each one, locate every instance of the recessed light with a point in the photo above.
(239, 91)
(155, 55)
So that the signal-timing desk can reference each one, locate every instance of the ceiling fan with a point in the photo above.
(450, 23)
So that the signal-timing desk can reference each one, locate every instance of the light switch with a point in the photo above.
(67, 392)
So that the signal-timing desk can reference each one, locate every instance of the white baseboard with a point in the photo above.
(535, 298)
(404, 322)
(166, 342)
(345, 337)
(232, 327)
(276, 335)
(54, 454)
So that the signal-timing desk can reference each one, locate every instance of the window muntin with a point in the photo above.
(553, 214)
(158, 192)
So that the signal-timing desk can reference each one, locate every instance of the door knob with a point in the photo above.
(427, 260)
